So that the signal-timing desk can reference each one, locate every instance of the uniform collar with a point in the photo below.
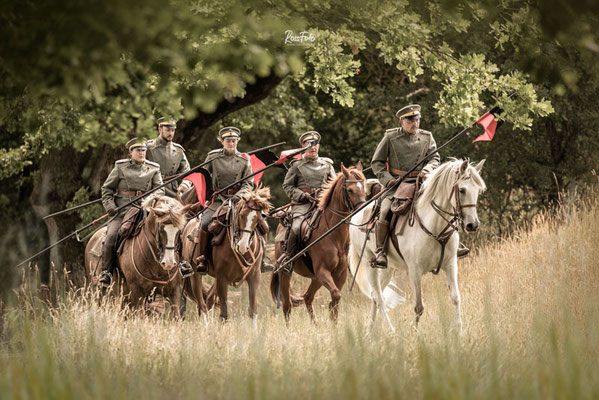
(162, 142)
(135, 163)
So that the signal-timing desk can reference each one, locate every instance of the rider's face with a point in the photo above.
(230, 145)
(167, 133)
(312, 152)
(138, 154)
(410, 125)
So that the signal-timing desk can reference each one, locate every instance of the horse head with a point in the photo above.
(348, 189)
(456, 184)
(166, 220)
(249, 215)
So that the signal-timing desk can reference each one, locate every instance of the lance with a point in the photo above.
(174, 178)
(278, 162)
(382, 193)
(89, 203)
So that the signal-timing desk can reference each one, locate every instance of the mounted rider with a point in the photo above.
(400, 149)
(172, 160)
(226, 166)
(303, 183)
(128, 179)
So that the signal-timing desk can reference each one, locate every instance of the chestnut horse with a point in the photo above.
(149, 261)
(237, 258)
(329, 256)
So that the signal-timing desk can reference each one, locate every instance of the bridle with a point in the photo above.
(161, 251)
(454, 219)
(347, 200)
(235, 230)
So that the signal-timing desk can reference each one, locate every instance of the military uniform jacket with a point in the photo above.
(227, 168)
(401, 151)
(171, 158)
(130, 176)
(306, 174)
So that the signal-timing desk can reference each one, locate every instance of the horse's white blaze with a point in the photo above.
(359, 185)
(168, 259)
(244, 240)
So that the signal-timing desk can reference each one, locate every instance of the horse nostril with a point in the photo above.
(472, 227)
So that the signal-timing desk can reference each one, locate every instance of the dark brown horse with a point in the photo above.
(329, 256)
(149, 260)
(237, 258)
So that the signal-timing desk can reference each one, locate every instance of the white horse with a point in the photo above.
(446, 201)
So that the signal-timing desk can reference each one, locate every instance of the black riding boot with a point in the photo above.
(463, 251)
(105, 278)
(202, 244)
(290, 250)
(381, 230)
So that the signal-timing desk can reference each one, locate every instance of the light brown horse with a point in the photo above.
(329, 256)
(237, 258)
(148, 261)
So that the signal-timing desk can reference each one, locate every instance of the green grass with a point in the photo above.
(531, 330)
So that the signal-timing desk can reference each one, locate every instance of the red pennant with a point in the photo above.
(488, 122)
(285, 154)
(256, 165)
(199, 182)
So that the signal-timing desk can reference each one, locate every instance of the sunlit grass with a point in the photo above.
(531, 329)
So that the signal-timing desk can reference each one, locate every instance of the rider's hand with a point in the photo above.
(113, 211)
(392, 182)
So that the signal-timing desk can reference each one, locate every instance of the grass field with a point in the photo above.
(531, 330)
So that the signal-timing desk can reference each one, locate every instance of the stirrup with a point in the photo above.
(201, 268)
(267, 265)
(105, 279)
(282, 260)
(185, 269)
(463, 251)
(374, 263)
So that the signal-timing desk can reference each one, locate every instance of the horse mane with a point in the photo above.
(446, 176)
(329, 187)
(175, 210)
(258, 198)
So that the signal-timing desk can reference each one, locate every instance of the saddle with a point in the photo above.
(132, 223)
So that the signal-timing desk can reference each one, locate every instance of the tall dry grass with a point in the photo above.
(531, 330)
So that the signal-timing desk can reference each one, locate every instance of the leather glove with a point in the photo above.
(113, 211)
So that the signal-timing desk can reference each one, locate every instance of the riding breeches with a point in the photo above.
(108, 249)
(385, 214)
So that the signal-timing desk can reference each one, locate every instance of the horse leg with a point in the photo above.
(197, 291)
(377, 277)
(452, 280)
(309, 297)
(176, 302)
(416, 284)
(253, 283)
(285, 288)
(222, 290)
(326, 279)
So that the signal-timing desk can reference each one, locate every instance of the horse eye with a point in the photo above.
(462, 190)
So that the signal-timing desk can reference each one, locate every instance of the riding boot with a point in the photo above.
(202, 266)
(463, 251)
(105, 278)
(381, 230)
(290, 250)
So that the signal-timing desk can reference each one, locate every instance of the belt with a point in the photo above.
(413, 174)
(131, 192)
(309, 190)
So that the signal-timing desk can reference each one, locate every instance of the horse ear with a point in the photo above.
(464, 167)
(479, 166)
(359, 166)
(345, 171)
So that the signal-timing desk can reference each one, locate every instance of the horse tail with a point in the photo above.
(275, 290)
(275, 287)
(391, 296)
